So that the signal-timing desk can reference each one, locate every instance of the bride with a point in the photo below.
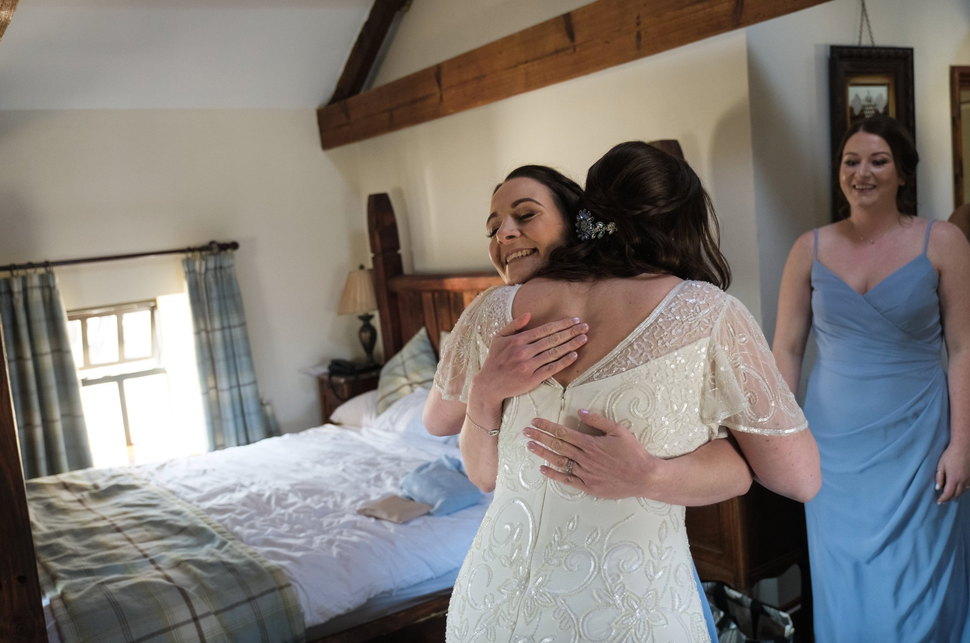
(585, 538)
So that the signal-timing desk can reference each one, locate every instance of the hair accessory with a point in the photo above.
(587, 227)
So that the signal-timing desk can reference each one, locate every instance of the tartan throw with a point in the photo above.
(124, 561)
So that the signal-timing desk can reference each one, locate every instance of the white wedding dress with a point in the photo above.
(551, 563)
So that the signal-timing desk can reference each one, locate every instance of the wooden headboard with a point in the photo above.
(408, 302)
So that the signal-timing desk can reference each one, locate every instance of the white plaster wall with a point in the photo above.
(85, 183)
(788, 75)
(170, 54)
(441, 174)
(433, 31)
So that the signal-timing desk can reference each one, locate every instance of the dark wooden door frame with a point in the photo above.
(959, 79)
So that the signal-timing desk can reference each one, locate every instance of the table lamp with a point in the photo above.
(359, 299)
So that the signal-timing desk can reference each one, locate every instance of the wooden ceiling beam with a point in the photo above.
(365, 51)
(589, 39)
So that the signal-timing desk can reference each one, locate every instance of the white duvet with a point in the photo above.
(294, 500)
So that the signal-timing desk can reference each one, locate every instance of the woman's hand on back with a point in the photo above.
(616, 465)
(520, 360)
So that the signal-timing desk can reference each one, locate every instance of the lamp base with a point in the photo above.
(368, 338)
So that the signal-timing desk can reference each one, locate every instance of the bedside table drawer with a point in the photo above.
(334, 390)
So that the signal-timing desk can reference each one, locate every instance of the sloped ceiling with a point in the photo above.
(176, 54)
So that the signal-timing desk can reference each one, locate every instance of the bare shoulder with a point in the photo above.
(804, 245)
(948, 246)
(536, 289)
(946, 234)
(544, 298)
(802, 254)
(961, 218)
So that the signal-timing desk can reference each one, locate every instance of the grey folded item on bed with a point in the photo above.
(395, 509)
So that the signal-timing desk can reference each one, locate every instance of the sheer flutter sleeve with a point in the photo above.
(464, 353)
(744, 389)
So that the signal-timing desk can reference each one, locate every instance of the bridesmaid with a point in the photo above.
(888, 532)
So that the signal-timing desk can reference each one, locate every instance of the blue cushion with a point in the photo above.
(441, 484)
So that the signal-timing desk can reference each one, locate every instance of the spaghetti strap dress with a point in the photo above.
(888, 563)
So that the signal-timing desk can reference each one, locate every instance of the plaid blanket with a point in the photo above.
(122, 560)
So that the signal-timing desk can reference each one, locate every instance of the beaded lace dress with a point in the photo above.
(550, 563)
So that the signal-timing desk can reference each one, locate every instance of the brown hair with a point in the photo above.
(665, 222)
(905, 158)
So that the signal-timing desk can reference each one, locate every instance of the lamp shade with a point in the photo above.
(358, 297)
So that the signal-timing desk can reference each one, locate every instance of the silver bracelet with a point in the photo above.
(492, 432)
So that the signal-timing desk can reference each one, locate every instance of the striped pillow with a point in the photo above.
(409, 369)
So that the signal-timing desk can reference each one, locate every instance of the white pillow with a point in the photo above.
(404, 417)
(360, 410)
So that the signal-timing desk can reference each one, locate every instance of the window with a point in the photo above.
(125, 384)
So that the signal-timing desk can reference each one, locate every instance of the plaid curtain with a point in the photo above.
(234, 412)
(43, 379)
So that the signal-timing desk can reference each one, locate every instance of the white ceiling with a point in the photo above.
(176, 54)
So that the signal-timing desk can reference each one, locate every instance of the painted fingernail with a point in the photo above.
(584, 411)
(575, 320)
(583, 328)
(536, 420)
(531, 446)
(583, 338)
(527, 433)
(573, 355)
(937, 486)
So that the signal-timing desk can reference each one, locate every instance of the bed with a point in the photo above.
(354, 578)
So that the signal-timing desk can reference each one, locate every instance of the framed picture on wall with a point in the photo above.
(864, 81)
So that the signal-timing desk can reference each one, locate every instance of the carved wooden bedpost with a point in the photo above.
(21, 612)
(386, 246)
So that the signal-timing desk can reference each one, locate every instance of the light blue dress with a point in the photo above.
(887, 562)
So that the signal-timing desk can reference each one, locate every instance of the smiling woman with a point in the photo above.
(527, 223)
(882, 289)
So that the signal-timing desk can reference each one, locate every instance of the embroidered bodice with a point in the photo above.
(549, 562)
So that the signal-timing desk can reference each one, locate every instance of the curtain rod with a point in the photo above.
(212, 246)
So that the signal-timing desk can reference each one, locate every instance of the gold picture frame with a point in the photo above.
(864, 81)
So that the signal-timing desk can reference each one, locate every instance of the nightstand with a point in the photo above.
(337, 389)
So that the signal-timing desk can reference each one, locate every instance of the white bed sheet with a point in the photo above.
(294, 500)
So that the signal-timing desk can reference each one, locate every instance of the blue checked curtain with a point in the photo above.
(234, 412)
(43, 379)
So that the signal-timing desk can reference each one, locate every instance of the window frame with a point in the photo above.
(119, 311)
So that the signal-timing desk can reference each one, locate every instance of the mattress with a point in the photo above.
(294, 498)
